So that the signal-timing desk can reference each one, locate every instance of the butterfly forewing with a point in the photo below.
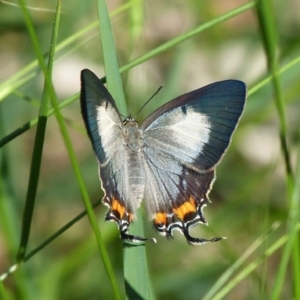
(197, 127)
(102, 120)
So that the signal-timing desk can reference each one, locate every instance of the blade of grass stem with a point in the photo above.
(267, 25)
(137, 284)
(181, 38)
(269, 38)
(41, 127)
(31, 70)
(7, 213)
(113, 78)
(252, 266)
(228, 273)
(84, 193)
(34, 122)
(3, 294)
(50, 239)
(16, 81)
(137, 281)
(268, 79)
(71, 153)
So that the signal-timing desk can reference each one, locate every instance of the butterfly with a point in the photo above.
(168, 161)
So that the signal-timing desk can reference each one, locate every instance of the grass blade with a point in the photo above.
(252, 266)
(41, 127)
(137, 283)
(3, 294)
(181, 38)
(267, 25)
(224, 278)
(68, 143)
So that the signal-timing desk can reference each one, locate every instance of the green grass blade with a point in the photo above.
(11, 85)
(70, 149)
(282, 71)
(8, 138)
(250, 267)
(224, 278)
(137, 282)
(3, 294)
(111, 65)
(269, 36)
(84, 193)
(59, 232)
(181, 38)
(267, 25)
(30, 71)
(41, 127)
(50, 239)
(291, 247)
(6, 212)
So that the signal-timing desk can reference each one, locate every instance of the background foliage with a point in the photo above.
(255, 197)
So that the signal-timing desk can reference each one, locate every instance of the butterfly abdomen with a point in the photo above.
(136, 178)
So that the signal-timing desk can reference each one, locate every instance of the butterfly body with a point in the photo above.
(169, 161)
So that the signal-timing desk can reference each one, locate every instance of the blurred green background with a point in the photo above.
(249, 195)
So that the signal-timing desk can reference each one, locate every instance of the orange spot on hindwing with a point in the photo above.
(186, 208)
(160, 218)
(116, 206)
(120, 211)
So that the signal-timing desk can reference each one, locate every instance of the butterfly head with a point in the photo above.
(129, 121)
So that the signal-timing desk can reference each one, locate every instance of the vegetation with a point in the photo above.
(54, 242)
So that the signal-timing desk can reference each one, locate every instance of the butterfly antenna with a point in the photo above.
(125, 117)
(149, 100)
